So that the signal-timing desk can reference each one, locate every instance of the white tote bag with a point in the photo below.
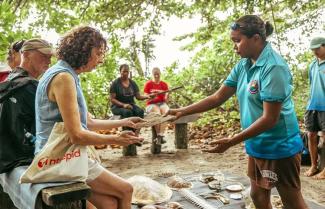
(58, 161)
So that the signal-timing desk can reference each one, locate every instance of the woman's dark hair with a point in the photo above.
(250, 25)
(75, 47)
(16, 46)
(124, 66)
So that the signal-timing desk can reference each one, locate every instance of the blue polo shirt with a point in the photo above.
(317, 86)
(269, 80)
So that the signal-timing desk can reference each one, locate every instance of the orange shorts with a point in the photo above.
(270, 173)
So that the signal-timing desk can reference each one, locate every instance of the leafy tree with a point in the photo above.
(136, 23)
(10, 32)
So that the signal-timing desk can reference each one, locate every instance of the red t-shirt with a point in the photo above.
(4, 75)
(151, 86)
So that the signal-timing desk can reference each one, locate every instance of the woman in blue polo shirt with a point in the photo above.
(262, 83)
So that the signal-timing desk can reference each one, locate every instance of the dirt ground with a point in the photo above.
(190, 161)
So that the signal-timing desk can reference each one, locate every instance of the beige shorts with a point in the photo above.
(94, 170)
(161, 106)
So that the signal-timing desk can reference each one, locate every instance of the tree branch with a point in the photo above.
(275, 28)
(85, 9)
(17, 6)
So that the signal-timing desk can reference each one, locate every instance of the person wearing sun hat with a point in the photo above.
(317, 42)
(38, 44)
(17, 147)
(36, 58)
(315, 114)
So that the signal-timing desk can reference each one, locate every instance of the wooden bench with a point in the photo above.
(181, 137)
(321, 151)
(71, 196)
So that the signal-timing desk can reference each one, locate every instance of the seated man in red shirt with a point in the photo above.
(158, 103)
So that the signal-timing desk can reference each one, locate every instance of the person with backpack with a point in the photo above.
(17, 105)
(13, 59)
(14, 55)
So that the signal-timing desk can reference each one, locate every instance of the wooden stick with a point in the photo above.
(170, 90)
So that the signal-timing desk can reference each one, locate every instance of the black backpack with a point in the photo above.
(17, 121)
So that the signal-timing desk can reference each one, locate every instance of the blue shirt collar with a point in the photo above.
(261, 59)
(320, 62)
(263, 56)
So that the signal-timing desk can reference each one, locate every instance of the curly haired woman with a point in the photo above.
(59, 98)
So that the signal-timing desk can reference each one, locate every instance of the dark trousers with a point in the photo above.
(126, 113)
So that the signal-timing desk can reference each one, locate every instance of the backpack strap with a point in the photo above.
(8, 87)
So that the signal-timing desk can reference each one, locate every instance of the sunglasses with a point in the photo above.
(235, 26)
(248, 31)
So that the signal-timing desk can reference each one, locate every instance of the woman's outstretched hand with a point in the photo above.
(217, 146)
(129, 137)
(175, 112)
(131, 121)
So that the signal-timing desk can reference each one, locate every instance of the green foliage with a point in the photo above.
(136, 22)
(9, 32)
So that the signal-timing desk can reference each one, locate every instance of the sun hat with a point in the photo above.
(38, 44)
(317, 42)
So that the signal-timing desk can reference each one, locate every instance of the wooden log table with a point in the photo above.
(181, 137)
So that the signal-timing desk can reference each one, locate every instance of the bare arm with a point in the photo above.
(208, 103)
(115, 101)
(141, 97)
(97, 124)
(62, 87)
(271, 114)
